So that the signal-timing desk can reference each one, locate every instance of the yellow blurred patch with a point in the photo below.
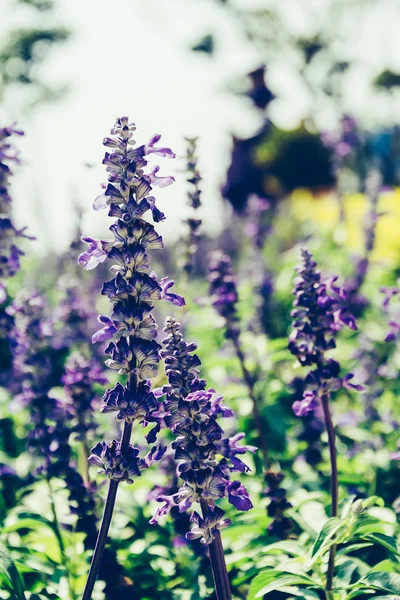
(324, 212)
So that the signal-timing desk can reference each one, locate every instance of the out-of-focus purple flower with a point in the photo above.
(281, 525)
(258, 226)
(190, 412)
(319, 312)
(191, 241)
(344, 141)
(393, 335)
(223, 291)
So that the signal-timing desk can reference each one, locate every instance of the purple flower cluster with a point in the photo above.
(9, 234)
(346, 140)
(258, 226)
(394, 315)
(74, 312)
(193, 236)
(319, 313)
(52, 420)
(133, 291)
(281, 525)
(81, 376)
(223, 292)
(191, 413)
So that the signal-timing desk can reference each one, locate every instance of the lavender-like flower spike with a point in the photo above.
(319, 312)
(9, 234)
(191, 241)
(130, 328)
(224, 297)
(191, 413)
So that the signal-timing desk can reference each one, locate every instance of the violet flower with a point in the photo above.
(205, 457)
(51, 422)
(133, 291)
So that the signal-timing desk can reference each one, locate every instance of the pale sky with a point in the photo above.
(131, 57)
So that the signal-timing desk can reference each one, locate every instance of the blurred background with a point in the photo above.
(264, 84)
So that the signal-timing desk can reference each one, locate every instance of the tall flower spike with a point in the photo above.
(133, 291)
(9, 234)
(319, 313)
(224, 297)
(191, 413)
(191, 241)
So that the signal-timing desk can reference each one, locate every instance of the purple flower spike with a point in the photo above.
(319, 312)
(191, 412)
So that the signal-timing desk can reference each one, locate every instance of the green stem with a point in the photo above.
(334, 489)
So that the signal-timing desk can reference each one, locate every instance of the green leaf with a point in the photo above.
(11, 575)
(271, 580)
(345, 571)
(373, 500)
(387, 582)
(366, 524)
(353, 548)
(285, 547)
(384, 540)
(345, 506)
(386, 565)
(325, 538)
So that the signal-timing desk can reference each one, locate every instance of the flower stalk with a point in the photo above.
(218, 564)
(319, 312)
(131, 328)
(224, 297)
(191, 413)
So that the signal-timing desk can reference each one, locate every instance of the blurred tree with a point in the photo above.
(23, 49)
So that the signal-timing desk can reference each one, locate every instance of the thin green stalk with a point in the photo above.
(84, 453)
(334, 489)
(218, 564)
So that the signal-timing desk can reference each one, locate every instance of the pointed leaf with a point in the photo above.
(285, 547)
(387, 582)
(271, 580)
(326, 538)
(384, 540)
(11, 575)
